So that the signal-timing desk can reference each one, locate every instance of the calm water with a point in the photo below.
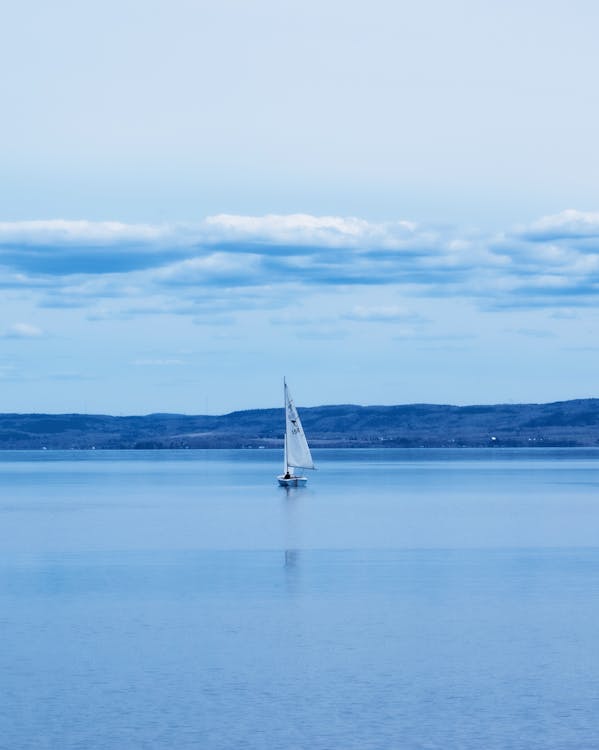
(404, 599)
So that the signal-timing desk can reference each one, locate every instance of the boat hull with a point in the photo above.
(292, 481)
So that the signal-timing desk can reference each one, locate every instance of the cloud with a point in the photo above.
(60, 232)
(223, 260)
(23, 331)
(383, 314)
(59, 247)
(214, 268)
(307, 230)
(569, 224)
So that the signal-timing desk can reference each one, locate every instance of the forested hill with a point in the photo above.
(563, 423)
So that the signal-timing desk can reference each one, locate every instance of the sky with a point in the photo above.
(385, 202)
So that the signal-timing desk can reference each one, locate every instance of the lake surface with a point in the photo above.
(404, 599)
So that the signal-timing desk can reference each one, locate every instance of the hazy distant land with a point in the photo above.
(562, 423)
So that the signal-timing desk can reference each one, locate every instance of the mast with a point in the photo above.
(285, 465)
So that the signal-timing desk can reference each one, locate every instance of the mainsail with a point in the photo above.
(297, 453)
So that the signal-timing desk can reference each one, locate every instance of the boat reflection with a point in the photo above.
(292, 558)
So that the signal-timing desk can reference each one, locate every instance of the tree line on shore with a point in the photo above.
(563, 423)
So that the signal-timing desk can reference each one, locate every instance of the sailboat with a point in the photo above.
(297, 453)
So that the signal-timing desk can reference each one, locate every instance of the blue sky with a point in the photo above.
(385, 203)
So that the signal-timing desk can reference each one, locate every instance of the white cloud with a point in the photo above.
(23, 331)
(219, 266)
(333, 231)
(65, 232)
(78, 263)
(566, 224)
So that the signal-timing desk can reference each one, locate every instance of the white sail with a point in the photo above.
(296, 447)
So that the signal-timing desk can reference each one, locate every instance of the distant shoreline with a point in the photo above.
(432, 448)
(561, 424)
